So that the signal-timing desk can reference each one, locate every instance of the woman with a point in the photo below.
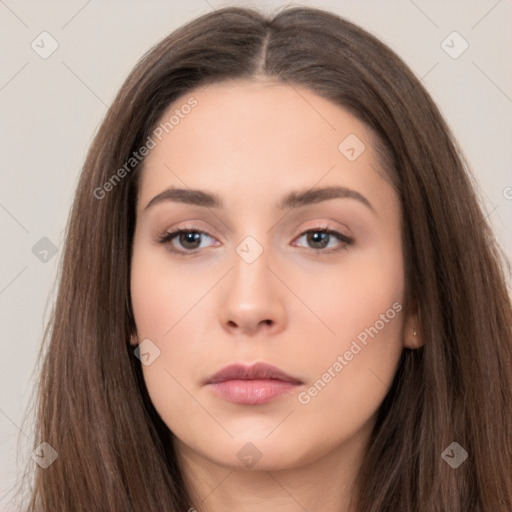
(338, 333)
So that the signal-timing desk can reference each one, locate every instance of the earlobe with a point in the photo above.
(413, 337)
(133, 340)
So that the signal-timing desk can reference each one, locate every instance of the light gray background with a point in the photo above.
(50, 109)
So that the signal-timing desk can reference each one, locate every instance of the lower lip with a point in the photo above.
(253, 392)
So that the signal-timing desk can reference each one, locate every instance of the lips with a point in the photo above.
(252, 385)
(258, 371)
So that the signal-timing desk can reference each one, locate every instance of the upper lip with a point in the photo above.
(253, 372)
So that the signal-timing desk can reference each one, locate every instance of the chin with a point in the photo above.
(258, 454)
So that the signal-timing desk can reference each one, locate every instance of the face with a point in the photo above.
(291, 256)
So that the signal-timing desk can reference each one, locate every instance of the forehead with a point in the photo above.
(248, 137)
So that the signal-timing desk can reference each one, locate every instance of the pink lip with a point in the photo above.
(252, 385)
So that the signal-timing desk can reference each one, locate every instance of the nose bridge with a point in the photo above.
(251, 272)
(252, 296)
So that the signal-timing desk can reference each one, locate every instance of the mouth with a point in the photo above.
(252, 385)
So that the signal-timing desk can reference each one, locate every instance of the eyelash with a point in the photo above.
(167, 237)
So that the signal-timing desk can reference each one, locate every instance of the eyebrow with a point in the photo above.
(294, 199)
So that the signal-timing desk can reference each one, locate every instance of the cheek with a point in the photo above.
(355, 366)
(160, 296)
(163, 306)
(353, 378)
(355, 295)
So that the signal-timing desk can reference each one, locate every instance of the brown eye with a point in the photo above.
(188, 241)
(318, 240)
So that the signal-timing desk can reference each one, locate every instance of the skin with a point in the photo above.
(251, 142)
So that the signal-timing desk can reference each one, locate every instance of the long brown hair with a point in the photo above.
(115, 453)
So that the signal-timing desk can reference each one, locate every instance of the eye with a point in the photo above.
(320, 239)
(189, 239)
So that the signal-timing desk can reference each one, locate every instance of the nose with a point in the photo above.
(252, 299)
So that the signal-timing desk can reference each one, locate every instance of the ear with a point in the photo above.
(413, 336)
(133, 340)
